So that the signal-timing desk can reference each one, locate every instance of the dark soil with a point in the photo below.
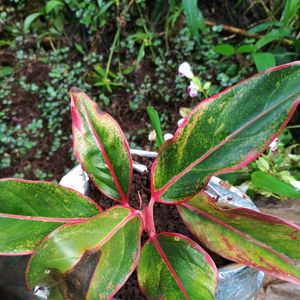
(166, 218)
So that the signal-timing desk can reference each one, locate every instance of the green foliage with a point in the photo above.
(155, 123)
(53, 13)
(194, 18)
(262, 47)
(273, 173)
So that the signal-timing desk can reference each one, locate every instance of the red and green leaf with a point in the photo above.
(174, 267)
(101, 147)
(89, 260)
(30, 210)
(262, 241)
(226, 132)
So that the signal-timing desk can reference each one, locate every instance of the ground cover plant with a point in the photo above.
(132, 48)
(80, 251)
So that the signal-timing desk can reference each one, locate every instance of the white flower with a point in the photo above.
(152, 136)
(295, 184)
(274, 145)
(168, 136)
(193, 89)
(180, 121)
(185, 70)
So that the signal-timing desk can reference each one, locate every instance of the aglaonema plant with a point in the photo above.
(80, 251)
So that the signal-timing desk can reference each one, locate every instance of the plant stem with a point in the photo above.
(149, 218)
(242, 32)
(112, 49)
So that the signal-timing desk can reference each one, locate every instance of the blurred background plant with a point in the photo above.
(125, 54)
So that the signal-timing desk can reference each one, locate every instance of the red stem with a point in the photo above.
(149, 218)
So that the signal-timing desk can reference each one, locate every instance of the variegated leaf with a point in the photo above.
(262, 241)
(226, 132)
(101, 147)
(174, 267)
(90, 260)
(30, 210)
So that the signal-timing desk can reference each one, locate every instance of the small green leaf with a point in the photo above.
(174, 267)
(262, 241)
(268, 183)
(155, 122)
(264, 60)
(275, 34)
(100, 70)
(53, 4)
(246, 49)
(264, 26)
(79, 48)
(90, 260)
(290, 11)
(263, 164)
(5, 71)
(224, 49)
(194, 18)
(141, 54)
(30, 19)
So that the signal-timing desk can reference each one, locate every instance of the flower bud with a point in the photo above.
(185, 70)
(274, 145)
(193, 89)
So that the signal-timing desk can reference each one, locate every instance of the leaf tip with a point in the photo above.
(75, 90)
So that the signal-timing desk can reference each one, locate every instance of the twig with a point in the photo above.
(242, 32)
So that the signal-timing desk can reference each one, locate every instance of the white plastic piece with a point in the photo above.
(180, 121)
(168, 136)
(76, 179)
(143, 153)
(139, 167)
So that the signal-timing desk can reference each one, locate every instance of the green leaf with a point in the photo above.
(262, 241)
(268, 183)
(101, 147)
(226, 132)
(5, 71)
(100, 70)
(264, 26)
(246, 49)
(5, 43)
(264, 60)
(194, 18)
(79, 48)
(174, 267)
(30, 19)
(224, 49)
(30, 210)
(90, 260)
(53, 4)
(290, 11)
(141, 54)
(155, 123)
(275, 34)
